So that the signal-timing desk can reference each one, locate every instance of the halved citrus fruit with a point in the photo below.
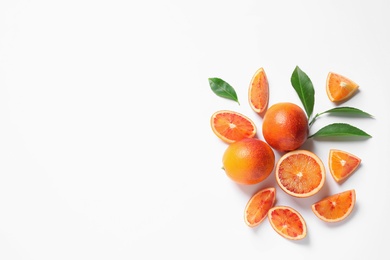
(300, 173)
(342, 164)
(339, 88)
(231, 126)
(259, 91)
(336, 207)
(257, 207)
(287, 222)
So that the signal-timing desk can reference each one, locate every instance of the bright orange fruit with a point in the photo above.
(336, 207)
(257, 207)
(342, 164)
(259, 91)
(231, 126)
(248, 161)
(339, 88)
(300, 173)
(287, 222)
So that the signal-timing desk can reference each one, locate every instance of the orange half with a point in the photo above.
(231, 126)
(257, 207)
(300, 173)
(339, 88)
(342, 164)
(336, 207)
(259, 91)
(287, 222)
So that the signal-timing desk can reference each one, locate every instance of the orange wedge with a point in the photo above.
(300, 173)
(259, 91)
(257, 207)
(287, 222)
(339, 88)
(231, 126)
(336, 207)
(342, 164)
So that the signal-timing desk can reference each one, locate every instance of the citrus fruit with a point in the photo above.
(248, 161)
(300, 173)
(257, 207)
(287, 222)
(285, 126)
(231, 126)
(342, 164)
(339, 88)
(336, 207)
(259, 91)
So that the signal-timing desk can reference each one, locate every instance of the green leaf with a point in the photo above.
(223, 89)
(304, 88)
(347, 110)
(339, 129)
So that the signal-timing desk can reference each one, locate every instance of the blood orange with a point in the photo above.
(300, 173)
(339, 88)
(257, 207)
(287, 222)
(259, 91)
(342, 164)
(336, 207)
(231, 126)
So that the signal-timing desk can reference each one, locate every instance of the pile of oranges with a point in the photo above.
(300, 173)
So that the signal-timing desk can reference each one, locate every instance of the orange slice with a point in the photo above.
(300, 173)
(339, 88)
(336, 207)
(259, 91)
(257, 207)
(231, 126)
(287, 222)
(342, 164)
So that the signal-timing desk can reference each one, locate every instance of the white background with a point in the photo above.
(106, 151)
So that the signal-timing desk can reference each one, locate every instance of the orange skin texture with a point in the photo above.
(285, 127)
(248, 161)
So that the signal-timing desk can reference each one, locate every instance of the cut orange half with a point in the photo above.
(231, 126)
(342, 164)
(339, 88)
(287, 222)
(257, 207)
(300, 173)
(336, 207)
(259, 91)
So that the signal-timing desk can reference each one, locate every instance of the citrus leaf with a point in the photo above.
(339, 129)
(223, 89)
(348, 110)
(304, 88)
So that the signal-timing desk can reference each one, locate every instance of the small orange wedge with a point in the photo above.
(257, 207)
(342, 164)
(339, 88)
(259, 91)
(231, 126)
(287, 222)
(300, 173)
(336, 207)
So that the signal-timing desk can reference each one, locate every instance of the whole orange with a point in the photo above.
(248, 161)
(285, 126)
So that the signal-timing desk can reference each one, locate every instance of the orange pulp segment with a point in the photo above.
(259, 91)
(342, 164)
(339, 88)
(231, 126)
(257, 207)
(287, 222)
(300, 173)
(336, 207)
